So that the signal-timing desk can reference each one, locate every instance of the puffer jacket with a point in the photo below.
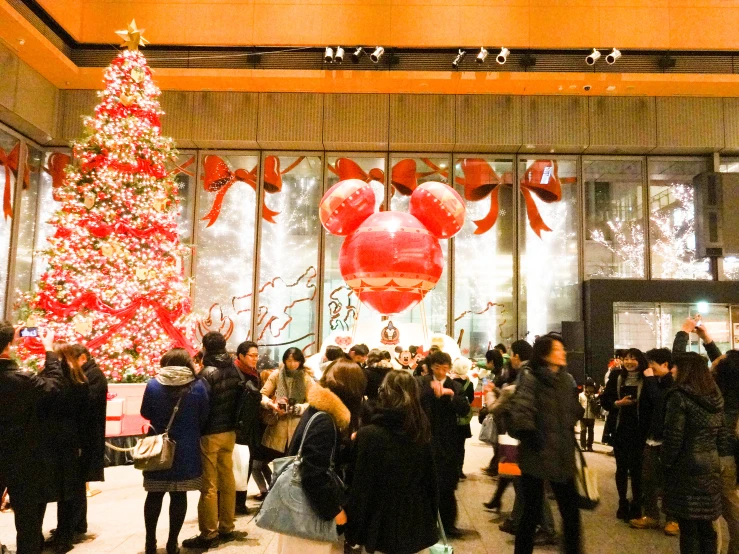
(727, 379)
(542, 414)
(694, 429)
(224, 390)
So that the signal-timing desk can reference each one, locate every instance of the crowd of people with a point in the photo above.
(385, 460)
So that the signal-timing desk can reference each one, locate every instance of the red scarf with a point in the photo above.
(245, 369)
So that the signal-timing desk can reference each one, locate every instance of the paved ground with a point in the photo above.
(117, 522)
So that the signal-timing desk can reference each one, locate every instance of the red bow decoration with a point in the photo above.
(183, 168)
(56, 163)
(218, 178)
(349, 169)
(541, 179)
(102, 230)
(12, 163)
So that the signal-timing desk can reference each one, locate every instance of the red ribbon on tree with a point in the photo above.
(56, 164)
(218, 178)
(11, 162)
(141, 166)
(102, 230)
(90, 301)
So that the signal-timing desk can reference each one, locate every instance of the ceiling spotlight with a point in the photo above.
(593, 57)
(328, 56)
(503, 56)
(460, 56)
(339, 57)
(613, 56)
(482, 55)
(377, 54)
(358, 51)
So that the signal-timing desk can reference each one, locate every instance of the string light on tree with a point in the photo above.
(114, 279)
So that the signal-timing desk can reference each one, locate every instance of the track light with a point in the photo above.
(503, 56)
(613, 56)
(328, 56)
(377, 54)
(593, 57)
(358, 51)
(482, 55)
(339, 56)
(460, 56)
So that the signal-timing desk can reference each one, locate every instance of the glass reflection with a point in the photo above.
(10, 163)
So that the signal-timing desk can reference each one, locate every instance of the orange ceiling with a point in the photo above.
(38, 52)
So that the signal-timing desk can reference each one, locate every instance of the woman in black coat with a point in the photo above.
(339, 395)
(393, 499)
(542, 414)
(63, 426)
(693, 435)
(633, 416)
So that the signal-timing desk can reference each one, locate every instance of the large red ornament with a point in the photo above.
(346, 205)
(439, 207)
(391, 261)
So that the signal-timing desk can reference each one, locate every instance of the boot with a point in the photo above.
(623, 510)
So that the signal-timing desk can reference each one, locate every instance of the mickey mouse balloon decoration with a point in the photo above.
(391, 259)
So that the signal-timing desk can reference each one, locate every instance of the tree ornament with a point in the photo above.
(82, 324)
(138, 74)
(107, 250)
(142, 273)
(132, 37)
(89, 202)
(126, 100)
(159, 204)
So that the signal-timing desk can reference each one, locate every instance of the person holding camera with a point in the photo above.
(285, 395)
(623, 395)
(22, 461)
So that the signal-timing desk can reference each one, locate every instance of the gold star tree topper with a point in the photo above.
(132, 37)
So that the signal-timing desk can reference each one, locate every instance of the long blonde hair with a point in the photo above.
(72, 368)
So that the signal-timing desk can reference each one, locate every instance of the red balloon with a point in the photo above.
(346, 205)
(439, 207)
(391, 261)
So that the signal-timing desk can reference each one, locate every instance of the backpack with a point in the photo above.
(248, 423)
(465, 419)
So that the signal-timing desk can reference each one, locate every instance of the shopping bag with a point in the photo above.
(488, 431)
(508, 464)
(586, 481)
(241, 466)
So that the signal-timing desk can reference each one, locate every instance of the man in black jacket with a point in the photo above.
(443, 401)
(217, 506)
(21, 457)
(657, 381)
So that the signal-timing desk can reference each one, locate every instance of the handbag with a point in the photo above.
(287, 510)
(441, 547)
(586, 482)
(488, 431)
(156, 453)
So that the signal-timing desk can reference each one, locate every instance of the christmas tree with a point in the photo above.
(115, 280)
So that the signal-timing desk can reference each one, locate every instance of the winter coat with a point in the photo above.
(277, 437)
(157, 406)
(644, 407)
(224, 391)
(93, 438)
(682, 339)
(393, 497)
(693, 424)
(656, 389)
(542, 414)
(442, 413)
(22, 396)
(325, 495)
(63, 424)
(589, 405)
(375, 375)
(727, 379)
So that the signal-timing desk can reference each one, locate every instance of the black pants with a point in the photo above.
(29, 518)
(461, 440)
(177, 511)
(697, 537)
(503, 483)
(629, 457)
(532, 489)
(587, 430)
(447, 478)
(70, 513)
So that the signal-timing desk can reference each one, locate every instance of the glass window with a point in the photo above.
(731, 268)
(224, 257)
(406, 174)
(340, 304)
(671, 219)
(183, 170)
(636, 325)
(483, 255)
(548, 231)
(26, 226)
(10, 161)
(288, 257)
(614, 224)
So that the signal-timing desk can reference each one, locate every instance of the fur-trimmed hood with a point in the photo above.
(323, 399)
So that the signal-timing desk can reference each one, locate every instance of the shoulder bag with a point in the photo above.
(286, 510)
(156, 453)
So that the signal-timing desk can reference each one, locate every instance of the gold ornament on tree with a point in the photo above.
(126, 100)
(82, 324)
(142, 273)
(107, 250)
(138, 74)
(159, 204)
(89, 200)
(132, 36)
